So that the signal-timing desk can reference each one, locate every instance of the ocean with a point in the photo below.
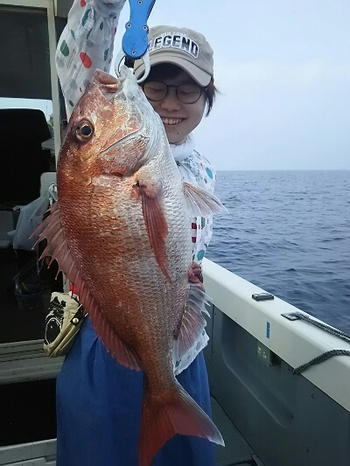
(288, 232)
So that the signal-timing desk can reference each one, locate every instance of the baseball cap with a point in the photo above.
(183, 47)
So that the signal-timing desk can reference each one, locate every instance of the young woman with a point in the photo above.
(98, 400)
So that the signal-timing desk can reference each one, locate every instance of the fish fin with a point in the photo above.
(156, 224)
(114, 345)
(170, 413)
(192, 322)
(58, 249)
(201, 202)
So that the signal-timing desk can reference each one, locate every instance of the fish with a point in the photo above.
(121, 233)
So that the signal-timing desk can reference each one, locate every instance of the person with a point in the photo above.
(98, 400)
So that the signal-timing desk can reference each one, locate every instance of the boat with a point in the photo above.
(279, 378)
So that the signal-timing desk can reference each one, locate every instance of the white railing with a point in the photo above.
(296, 342)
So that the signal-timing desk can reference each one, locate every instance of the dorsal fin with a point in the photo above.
(58, 249)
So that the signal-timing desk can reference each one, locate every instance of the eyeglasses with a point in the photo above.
(186, 93)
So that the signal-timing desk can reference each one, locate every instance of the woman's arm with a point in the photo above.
(85, 45)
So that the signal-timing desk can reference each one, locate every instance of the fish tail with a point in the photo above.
(174, 412)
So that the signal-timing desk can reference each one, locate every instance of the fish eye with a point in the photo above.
(84, 130)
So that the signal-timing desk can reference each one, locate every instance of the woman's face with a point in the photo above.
(179, 119)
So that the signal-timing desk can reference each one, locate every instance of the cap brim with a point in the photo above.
(201, 77)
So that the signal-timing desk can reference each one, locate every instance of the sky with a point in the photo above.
(283, 71)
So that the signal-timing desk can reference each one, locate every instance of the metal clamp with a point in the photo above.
(135, 38)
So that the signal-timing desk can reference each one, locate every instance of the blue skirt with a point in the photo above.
(99, 410)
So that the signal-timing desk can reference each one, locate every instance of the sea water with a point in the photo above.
(288, 232)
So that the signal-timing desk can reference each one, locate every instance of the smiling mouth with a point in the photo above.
(172, 121)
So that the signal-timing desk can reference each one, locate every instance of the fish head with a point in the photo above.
(110, 132)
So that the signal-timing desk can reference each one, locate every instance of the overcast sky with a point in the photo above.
(283, 68)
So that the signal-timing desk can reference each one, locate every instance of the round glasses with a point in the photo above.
(186, 93)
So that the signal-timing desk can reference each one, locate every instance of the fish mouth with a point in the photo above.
(126, 96)
(108, 84)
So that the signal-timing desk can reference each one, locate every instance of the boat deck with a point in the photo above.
(236, 451)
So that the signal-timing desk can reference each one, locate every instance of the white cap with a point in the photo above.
(183, 47)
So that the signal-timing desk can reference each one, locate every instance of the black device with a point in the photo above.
(262, 296)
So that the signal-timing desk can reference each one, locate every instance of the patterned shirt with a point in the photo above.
(87, 44)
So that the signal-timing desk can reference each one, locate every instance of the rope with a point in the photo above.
(327, 328)
(323, 357)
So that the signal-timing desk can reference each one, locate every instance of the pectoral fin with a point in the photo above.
(202, 202)
(155, 221)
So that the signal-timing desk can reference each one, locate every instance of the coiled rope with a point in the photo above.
(325, 327)
(319, 359)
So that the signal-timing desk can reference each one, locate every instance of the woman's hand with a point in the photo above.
(195, 275)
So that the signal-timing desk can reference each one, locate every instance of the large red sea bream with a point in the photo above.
(121, 232)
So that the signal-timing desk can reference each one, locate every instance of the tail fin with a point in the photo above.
(168, 414)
